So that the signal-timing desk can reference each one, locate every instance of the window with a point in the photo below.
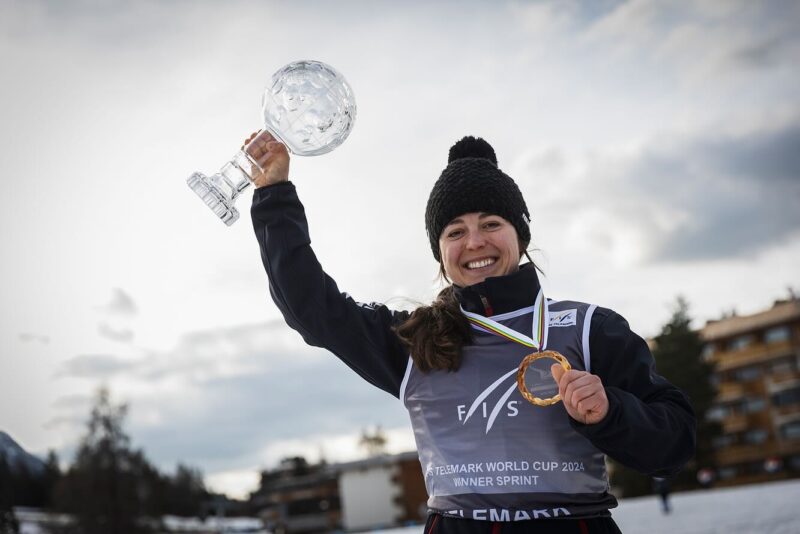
(717, 413)
(726, 440)
(708, 351)
(794, 462)
(727, 472)
(777, 334)
(742, 342)
(783, 365)
(726, 376)
(791, 430)
(787, 397)
(755, 436)
(753, 468)
(753, 404)
(746, 374)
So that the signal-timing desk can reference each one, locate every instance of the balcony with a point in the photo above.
(783, 380)
(735, 423)
(730, 391)
(736, 454)
(756, 353)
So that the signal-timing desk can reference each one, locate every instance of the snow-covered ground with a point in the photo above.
(759, 509)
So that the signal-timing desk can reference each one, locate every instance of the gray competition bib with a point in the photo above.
(487, 453)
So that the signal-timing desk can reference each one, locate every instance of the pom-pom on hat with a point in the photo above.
(471, 182)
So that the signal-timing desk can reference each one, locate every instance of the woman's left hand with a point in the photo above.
(582, 393)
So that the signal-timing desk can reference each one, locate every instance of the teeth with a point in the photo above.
(480, 263)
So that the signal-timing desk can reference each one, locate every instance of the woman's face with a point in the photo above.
(475, 246)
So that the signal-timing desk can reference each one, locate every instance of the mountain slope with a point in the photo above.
(17, 457)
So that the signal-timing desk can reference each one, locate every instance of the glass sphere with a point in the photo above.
(309, 107)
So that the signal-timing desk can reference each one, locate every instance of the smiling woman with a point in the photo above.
(478, 245)
(491, 460)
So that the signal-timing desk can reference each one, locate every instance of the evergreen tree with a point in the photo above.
(109, 489)
(678, 355)
(186, 492)
(52, 474)
(8, 522)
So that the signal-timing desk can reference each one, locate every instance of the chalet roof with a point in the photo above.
(783, 311)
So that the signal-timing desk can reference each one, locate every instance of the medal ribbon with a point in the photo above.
(537, 341)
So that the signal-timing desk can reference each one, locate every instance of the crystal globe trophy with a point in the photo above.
(308, 106)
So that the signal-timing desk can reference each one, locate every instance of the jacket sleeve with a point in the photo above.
(310, 301)
(650, 425)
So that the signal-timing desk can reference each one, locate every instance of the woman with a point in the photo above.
(492, 462)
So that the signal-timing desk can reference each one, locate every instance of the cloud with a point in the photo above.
(704, 39)
(234, 419)
(738, 195)
(332, 448)
(72, 412)
(29, 337)
(73, 401)
(94, 366)
(204, 356)
(121, 304)
(707, 197)
(224, 396)
(123, 335)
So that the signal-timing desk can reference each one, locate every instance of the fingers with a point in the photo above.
(583, 395)
(269, 151)
(558, 371)
(569, 378)
(269, 157)
(581, 388)
(246, 141)
(261, 138)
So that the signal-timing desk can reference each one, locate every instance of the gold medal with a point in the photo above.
(523, 369)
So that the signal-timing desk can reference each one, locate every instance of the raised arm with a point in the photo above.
(309, 299)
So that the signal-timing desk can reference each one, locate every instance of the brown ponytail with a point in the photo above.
(435, 334)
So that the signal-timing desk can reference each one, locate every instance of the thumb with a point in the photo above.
(557, 372)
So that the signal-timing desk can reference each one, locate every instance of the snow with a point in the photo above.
(772, 508)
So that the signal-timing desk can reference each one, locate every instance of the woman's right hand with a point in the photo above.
(271, 155)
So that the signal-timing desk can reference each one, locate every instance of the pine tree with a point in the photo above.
(679, 359)
(185, 492)
(678, 355)
(52, 474)
(8, 522)
(109, 487)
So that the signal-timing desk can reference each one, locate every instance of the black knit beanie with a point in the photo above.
(471, 182)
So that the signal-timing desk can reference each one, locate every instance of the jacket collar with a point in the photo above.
(501, 294)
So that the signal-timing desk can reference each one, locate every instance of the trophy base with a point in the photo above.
(214, 197)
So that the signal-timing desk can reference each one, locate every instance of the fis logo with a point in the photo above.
(480, 406)
(562, 318)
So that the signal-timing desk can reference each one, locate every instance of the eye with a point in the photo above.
(492, 224)
(455, 234)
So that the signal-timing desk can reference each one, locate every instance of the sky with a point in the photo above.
(657, 145)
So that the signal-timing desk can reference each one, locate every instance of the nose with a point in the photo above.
(475, 240)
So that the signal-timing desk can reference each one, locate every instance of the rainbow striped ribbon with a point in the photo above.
(537, 341)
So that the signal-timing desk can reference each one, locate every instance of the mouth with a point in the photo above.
(479, 264)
